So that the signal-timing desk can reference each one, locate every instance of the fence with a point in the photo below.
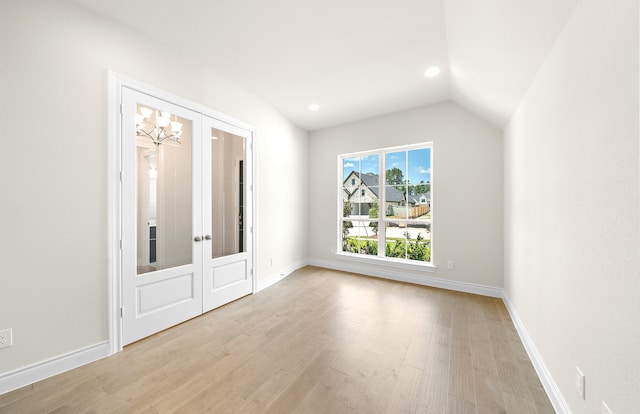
(413, 212)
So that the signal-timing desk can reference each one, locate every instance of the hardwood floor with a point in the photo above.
(320, 341)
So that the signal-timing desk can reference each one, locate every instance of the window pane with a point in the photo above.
(419, 241)
(360, 237)
(370, 165)
(350, 172)
(408, 241)
(395, 240)
(350, 186)
(360, 185)
(419, 184)
(395, 205)
(396, 168)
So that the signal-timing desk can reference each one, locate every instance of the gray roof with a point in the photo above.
(371, 181)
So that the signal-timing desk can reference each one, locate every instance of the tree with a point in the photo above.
(422, 188)
(395, 176)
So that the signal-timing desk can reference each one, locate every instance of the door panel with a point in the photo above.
(156, 295)
(162, 264)
(229, 278)
(228, 263)
(223, 276)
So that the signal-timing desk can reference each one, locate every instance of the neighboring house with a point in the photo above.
(422, 199)
(362, 190)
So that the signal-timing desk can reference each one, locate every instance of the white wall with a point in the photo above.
(572, 262)
(53, 169)
(467, 186)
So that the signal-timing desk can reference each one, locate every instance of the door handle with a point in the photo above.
(207, 237)
(197, 239)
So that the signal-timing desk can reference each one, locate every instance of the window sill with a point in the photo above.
(403, 264)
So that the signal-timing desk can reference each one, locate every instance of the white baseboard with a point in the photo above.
(18, 378)
(550, 386)
(27, 375)
(275, 278)
(400, 276)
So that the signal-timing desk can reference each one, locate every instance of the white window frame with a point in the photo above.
(381, 257)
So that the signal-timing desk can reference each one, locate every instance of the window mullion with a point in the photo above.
(382, 206)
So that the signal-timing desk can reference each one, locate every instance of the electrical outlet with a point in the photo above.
(606, 409)
(6, 338)
(580, 383)
(450, 264)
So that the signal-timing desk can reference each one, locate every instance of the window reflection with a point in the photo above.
(227, 193)
(164, 191)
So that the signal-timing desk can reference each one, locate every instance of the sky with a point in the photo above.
(417, 163)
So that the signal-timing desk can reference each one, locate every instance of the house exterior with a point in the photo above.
(361, 191)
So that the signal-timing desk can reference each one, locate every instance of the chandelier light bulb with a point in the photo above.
(176, 127)
(162, 121)
(145, 112)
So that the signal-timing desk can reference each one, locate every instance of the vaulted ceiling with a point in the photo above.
(359, 58)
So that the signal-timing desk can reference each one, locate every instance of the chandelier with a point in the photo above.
(158, 126)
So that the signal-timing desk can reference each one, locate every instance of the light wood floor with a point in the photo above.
(319, 341)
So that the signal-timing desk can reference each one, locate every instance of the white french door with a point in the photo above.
(227, 256)
(186, 205)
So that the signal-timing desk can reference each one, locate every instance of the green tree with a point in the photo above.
(395, 176)
(422, 188)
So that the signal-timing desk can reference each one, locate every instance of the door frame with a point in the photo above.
(114, 190)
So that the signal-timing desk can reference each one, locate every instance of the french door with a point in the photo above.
(186, 209)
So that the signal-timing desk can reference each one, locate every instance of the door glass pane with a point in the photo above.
(164, 190)
(227, 193)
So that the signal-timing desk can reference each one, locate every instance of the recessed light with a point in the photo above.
(314, 107)
(432, 71)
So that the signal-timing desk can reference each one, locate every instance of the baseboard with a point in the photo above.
(550, 386)
(275, 278)
(400, 276)
(18, 378)
(27, 375)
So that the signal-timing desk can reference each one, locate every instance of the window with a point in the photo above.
(395, 212)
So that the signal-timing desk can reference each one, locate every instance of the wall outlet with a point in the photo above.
(580, 383)
(272, 260)
(6, 338)
(450, 264)
(606, 409)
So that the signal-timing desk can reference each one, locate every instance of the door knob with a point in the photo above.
(197, 238)
(207, 237)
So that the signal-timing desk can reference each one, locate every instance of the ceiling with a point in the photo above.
(359, 58)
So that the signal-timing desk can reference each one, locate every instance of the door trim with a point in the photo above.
(114, 196)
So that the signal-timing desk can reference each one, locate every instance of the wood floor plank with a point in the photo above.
(318, 341)
(488, 392)
(404, 398)
(460, 406)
